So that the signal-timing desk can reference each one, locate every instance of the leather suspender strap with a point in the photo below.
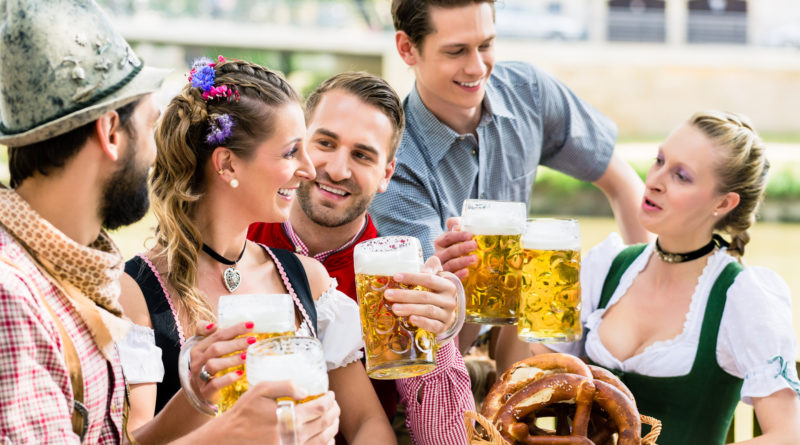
(80, 415)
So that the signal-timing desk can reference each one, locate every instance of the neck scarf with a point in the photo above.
(88, 275)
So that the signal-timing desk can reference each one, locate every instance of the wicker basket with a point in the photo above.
(495, 439)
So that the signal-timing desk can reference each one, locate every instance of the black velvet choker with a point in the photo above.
(673, 258)
(230, 276)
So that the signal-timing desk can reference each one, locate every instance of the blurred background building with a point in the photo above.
(646, 63)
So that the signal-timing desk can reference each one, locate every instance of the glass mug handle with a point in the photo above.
(461, 309)
(286, 422)
(185, 376)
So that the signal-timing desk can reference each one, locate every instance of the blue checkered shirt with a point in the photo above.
(529, 118)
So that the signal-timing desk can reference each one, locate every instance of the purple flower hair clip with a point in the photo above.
(203, 76)
(220, 128)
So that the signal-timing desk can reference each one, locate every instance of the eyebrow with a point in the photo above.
(332, 135)
(460, 45)
(326, 132)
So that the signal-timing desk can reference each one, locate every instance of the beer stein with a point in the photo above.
(550, 305)
(272, 316)
(493, 285)
(297, 359)
(395, 348)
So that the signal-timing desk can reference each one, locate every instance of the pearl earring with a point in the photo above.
(220, 171)
(716, 213)
(234, 183)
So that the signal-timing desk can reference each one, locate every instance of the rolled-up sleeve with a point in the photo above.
(576, 139)
(435, 402)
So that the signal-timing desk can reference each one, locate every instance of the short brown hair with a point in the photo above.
(413, 16)
(371, 90)
(47, 156)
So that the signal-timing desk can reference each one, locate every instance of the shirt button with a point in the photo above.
(461, 138)
(298, 249)
(474, 152)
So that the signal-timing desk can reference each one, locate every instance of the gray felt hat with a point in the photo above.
(62, 65)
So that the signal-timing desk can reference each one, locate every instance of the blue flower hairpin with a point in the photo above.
(203, 76)
(220, 128)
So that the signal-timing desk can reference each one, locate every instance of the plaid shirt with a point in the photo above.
(35, 390)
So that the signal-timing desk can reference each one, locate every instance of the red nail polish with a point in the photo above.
(249, 325)
(239, 372)
(243, 356)
(210, 326)
(251, 340)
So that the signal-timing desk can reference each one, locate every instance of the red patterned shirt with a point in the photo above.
(35, 391)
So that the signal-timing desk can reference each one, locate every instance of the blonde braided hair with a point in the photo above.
(177, 180)
(743, 170)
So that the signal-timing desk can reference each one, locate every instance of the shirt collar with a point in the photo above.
(438, 137)
(301, 248)
(494, 104)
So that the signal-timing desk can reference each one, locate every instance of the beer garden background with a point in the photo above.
(648, 64)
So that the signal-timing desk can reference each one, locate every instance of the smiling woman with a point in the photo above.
(230, 153)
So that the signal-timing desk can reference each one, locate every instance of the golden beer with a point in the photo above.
(272, 316)
(550, 305)
(395, 348)
(298, 359)
(494, 283)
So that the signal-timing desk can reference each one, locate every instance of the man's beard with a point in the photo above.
(316, 212)
(125, 198)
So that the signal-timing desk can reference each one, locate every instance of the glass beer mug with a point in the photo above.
(272, 316)
(550, 305)
(394, 346)
(493, 285)
(297, 359)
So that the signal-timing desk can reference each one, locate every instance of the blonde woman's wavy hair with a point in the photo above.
(743, 170)
(177, 180)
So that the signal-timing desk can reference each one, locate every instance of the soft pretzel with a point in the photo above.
(516, 418)
(526, 371)
(607, 376)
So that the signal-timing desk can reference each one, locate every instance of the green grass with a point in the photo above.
(786, 137)
(784, 182)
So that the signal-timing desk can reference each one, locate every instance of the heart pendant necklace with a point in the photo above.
(230, 276)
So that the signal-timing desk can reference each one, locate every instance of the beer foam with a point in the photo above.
(493, 217)
(300, 368)
(552, 234)
(271, 313)
(387, 256)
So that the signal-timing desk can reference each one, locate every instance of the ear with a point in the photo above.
(387, 176)
(222, 159)
(728, 202)
(408, 52)
(107, 129)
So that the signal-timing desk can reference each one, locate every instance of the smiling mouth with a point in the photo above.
(470, 84)
(289, 193)
(335, 191)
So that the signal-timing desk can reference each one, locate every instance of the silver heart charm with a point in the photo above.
(232, 279)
